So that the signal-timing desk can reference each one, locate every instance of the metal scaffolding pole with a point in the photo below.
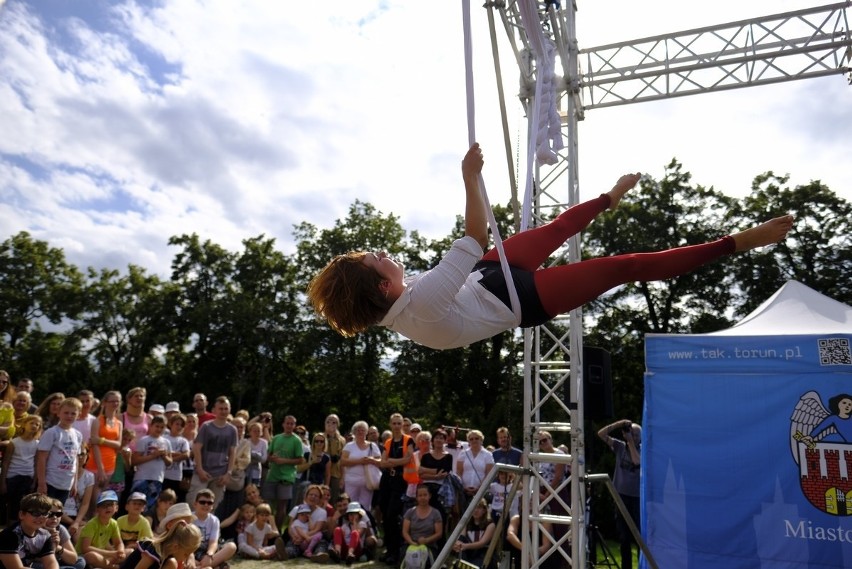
(802, 44)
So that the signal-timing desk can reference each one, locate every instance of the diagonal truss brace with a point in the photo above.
(802, 44)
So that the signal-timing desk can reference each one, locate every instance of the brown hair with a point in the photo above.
(346, 293)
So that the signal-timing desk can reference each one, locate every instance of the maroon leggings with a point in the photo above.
(564, 288)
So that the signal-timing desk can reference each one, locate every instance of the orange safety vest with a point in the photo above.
(409, 471)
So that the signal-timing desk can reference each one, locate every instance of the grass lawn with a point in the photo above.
(303, 563)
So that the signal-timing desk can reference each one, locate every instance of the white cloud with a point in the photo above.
(232, 119)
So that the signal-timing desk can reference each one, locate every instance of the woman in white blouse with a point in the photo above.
(474, 463)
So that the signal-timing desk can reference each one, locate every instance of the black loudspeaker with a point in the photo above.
(597, 384)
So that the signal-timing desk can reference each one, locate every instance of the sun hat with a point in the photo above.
(303, 509)
(137, 496)
(415, 427)
(107, 496)
(355, 508)
(156, 408)
(172, 406)
(175, 512)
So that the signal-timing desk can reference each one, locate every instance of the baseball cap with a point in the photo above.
(107, 496)
(156, 408)
(303, 509)
(137, 496)
(172, 406)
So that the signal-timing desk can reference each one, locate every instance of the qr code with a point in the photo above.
(835, 351)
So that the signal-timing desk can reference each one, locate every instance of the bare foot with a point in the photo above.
(766, 233)
(621, 187)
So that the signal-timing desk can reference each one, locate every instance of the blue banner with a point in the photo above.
(747, 451)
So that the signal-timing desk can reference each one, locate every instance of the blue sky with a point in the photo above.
(125, 123)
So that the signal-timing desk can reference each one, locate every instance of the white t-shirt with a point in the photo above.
(72, 504)
(499, 495)
(259, 452)
(446, 307)
(209, 530)
(362, 531)
(63, 448)
(153, 469)
(22, 462)
(85, 427)
(258, 535)
(174, 471)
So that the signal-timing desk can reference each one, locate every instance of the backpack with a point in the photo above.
(416, 557)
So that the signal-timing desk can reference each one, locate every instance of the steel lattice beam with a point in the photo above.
(795, 45)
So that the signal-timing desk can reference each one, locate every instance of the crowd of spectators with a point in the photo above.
(116, 483)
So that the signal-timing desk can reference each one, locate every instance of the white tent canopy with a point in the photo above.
(746, 449)
(794, 309)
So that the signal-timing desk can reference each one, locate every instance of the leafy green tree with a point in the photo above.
(55, 361)
(234, 319)
(817, 252)
(202, 273)
(657, 215)
(264, 321)
(39, 288)
(38, 285)
(348, 375)
(123, 323)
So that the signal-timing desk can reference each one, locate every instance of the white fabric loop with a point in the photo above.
(471, 132)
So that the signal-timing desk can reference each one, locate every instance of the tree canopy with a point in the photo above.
(236, 322)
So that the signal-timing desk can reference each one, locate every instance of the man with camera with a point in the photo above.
(625, 478)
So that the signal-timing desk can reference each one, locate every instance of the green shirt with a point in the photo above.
(102, 536)
(136, 532)
(284, 446)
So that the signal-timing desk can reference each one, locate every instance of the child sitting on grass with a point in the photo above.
(258, 533)
(209, 554)
(353, 536)
(100, 540)
(300, 531)
(169, 550)
(133, 526)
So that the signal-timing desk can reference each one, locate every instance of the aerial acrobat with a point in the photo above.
(465, 299)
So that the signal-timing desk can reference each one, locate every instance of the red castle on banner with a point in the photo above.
(824, 473)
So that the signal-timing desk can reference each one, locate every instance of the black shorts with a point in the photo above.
(532, 312)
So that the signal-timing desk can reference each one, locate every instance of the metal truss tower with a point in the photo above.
(806, 43)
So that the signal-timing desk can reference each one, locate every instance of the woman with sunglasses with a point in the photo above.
(317, 469)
